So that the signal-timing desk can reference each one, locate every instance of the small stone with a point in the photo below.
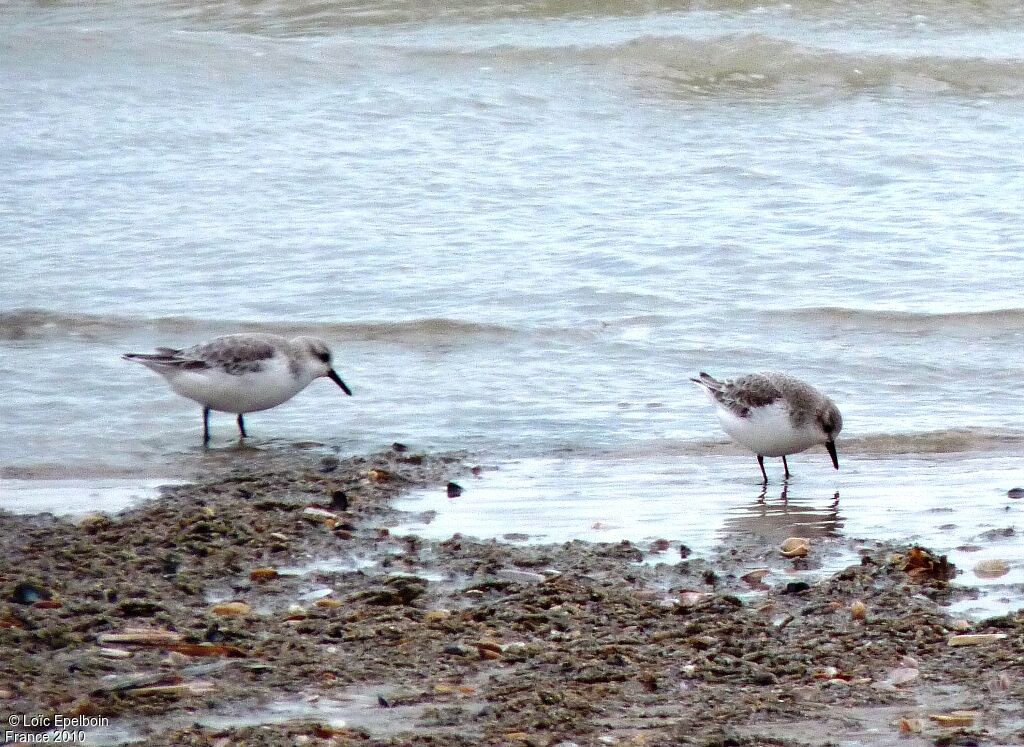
(327, 603)
(796, 587)
(454, 490)
(858, 610)
(991, 568)
(1015, 493)
(434, 616)
(26, 593)
(329, 463)
(259, 575)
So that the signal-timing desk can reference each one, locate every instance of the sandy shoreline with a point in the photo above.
(286, 606)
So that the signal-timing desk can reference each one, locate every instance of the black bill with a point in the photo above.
(831, 446)
(337, 380)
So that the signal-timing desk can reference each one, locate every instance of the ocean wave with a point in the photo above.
(31, 324)
(993, 321)
(945, 441)
(687, 66)
(310, 17)
(963, 441)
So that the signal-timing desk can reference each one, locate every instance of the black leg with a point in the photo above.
(206, 426)
(760, 463)
(241, 426)
(785, 466)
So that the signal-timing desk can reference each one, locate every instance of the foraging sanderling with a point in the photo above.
(242, 373)
(774, 415)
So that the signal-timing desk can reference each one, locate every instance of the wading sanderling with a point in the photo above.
(774, 415)
(242, 373)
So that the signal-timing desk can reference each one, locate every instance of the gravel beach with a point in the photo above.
(275, 606)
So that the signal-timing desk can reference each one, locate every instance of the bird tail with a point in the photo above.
(706, 381)
(163, 358)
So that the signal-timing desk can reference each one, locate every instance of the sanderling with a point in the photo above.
(774, 415)
(242, 373)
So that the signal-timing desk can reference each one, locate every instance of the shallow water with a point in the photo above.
(522, 228)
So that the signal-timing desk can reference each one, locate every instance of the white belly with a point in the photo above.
(239, 393)
(769, 432)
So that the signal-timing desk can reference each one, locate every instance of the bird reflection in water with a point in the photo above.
(775, 520)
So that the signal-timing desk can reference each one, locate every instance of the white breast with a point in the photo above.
(769, 432)
(215, 388)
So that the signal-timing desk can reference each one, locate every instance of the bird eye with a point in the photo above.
(325, 357)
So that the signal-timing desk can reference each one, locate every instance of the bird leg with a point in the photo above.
(785, 466)
(241, 426)
(760, 463)
(206, 426)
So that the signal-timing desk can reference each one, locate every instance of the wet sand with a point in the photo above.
(274, 606)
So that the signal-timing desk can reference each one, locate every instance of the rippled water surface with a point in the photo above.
(522, 227)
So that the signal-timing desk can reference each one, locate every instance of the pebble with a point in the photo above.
(514, 574)
(260, 575)
(991, 568)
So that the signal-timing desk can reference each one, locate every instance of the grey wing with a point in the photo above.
(236, 354)
(747, 392)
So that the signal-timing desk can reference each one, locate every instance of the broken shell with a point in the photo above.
(755, 576)
(858, 610)
(328, 603)
(263, 574)
(911, 725)
(202, 687)
(380, 475)
(954, 718)
(231, 609)
(975, 639)
(991, 568)
(208, 649)
(692, 598)
(141, 637)
(960, 625)
(432, 616)
(795, 547)
(903, 675)
(320, 516)
(114, 653)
